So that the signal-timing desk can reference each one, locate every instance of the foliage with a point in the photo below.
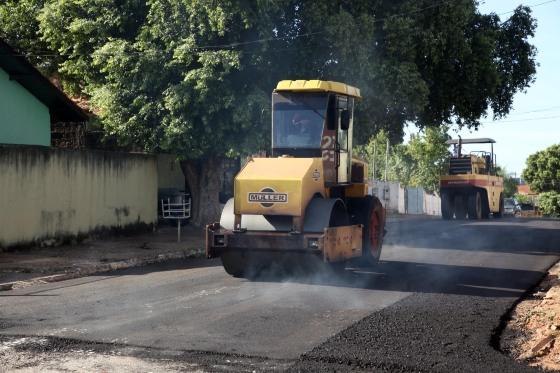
(510, 183)
(402, 165)
(549, 203)
(522, 198)
(153, 85)
(510, 186)
(543, 170)
(430, 154)
(143, 61)
(19, 27)
(415, 61)
(374, 152)
(418, 163)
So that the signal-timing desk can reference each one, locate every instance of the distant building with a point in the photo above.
(32, 110)
(525, 190)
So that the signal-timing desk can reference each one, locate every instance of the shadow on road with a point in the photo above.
(510, 235)
(489, 275)
(419, 278)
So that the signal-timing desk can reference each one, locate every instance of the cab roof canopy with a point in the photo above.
(483, 140)
(317, 86)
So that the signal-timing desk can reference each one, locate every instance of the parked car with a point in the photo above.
(511, 207)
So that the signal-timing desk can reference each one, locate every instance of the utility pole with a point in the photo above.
(374, 155)
(386, 158)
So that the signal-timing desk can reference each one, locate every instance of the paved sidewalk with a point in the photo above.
(38, 265)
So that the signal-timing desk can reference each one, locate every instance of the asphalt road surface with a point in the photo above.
(436, 302)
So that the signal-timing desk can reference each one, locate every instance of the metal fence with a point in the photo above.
(405, 200)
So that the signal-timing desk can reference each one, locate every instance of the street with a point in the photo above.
(434, 303)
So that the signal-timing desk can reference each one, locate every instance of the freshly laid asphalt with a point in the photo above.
(435, 302)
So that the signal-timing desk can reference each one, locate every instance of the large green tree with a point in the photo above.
(542, 170)
(430, 154)
(418, 163)
(510, 183)
(193, 77)
(426, 62)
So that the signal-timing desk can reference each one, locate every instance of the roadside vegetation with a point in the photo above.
(419, 163)
(193, 77)
(543, 175)
(510, 183)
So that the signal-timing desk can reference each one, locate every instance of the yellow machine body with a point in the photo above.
(278, 186)
(471, 187)
(491, 184)
(310, 197)
(317, 86)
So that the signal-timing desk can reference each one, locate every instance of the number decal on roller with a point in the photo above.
(327, 148)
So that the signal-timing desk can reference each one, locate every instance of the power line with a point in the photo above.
(522, 120)
(238, 44)
(232, 45)
(552, 108)
(529, 6)
(321, 32)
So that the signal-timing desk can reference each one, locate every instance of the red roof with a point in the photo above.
(524, 189)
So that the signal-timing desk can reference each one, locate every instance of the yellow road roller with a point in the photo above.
(471, 188)
(309, 199)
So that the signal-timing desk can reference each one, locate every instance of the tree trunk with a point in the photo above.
(204, 180)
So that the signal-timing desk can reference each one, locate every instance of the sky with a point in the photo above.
(534, 122)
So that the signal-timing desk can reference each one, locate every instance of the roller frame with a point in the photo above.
(258, 234)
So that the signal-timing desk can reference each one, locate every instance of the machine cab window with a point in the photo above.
(298, 121)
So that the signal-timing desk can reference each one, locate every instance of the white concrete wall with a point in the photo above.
(432, 204)
(393, 198)
(52, 192)
(388, 194)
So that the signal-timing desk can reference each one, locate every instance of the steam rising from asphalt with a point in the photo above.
(423, 254)
(296, 281)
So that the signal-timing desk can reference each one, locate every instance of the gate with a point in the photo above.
(414, 200)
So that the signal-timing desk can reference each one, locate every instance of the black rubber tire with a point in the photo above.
(485, 206)
(500, 213)
(234, 263)
(446, 206)
(474, 206)
(361, 210)
(459, 207)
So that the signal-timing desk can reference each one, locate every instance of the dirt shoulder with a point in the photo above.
(30, 266)
(533, 334)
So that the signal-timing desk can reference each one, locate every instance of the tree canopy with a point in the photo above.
(418, 163)
(510, 183)
(542, 170)
(194, 76)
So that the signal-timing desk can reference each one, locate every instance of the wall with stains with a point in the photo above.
(48, 192)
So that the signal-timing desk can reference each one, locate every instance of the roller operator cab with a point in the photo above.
(309, 199)
(471, 187)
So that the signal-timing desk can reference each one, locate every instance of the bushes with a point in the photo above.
(549, 203)
(522, 198)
